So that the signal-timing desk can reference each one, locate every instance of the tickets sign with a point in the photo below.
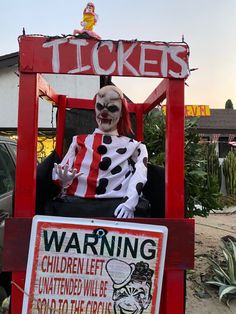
(104, 57)
(94, 266)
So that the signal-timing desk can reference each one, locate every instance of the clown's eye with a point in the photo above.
(140, 296)
(113, 108)
(99, 106)
(119, 294)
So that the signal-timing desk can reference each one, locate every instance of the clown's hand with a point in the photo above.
(83, 23)
(64, 175)
(123, 211)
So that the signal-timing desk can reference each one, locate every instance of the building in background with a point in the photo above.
(219, 128)
(75, 86)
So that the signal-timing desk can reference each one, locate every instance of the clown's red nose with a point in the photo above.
(104, 114)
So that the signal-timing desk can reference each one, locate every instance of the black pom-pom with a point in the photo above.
(107, 139)
(118, 187)
(121, 150)
(102, 149)
(116, 170)
(105, 163)
(139, 187)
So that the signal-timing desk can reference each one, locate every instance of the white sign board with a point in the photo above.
(89, 266)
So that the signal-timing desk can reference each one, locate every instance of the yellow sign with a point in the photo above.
(194, 110)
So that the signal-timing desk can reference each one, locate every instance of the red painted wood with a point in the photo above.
(156, 97)
(46, 90)
(80, 103)
(105, 57)
(180, 249)
(26, 146)
(174, 280)
(89, 104)
(25, 165)
(175, 150)
(175, 287)
(16, 294)
(61, 114)
(173, 292)
(139, 122)
(125, 58)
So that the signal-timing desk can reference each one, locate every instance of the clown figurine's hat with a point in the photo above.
(120, 272)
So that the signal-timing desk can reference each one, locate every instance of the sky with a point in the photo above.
(208, 26)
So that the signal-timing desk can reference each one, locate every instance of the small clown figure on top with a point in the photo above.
(89, 21)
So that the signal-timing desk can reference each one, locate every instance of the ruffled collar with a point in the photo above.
(115, 132)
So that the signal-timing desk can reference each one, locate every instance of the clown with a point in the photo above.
(132, 286)
(106, 168)
(89, 21)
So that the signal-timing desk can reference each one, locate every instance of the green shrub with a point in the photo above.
(213, 167)
(229, 170)
(224, 274)
(201, 191)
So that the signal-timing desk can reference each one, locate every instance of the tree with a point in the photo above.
(229, 104)
(201, 190)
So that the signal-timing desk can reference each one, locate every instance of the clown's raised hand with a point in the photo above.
(65, 176)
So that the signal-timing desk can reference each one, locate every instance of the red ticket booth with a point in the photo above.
(80, 56)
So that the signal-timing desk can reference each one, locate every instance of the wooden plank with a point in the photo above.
(180, 247)
(156, 97)
(173, 289)
(174, 279)
(25, 192)
(88, 104)
(18, 278)
(45, 90)
(105, 57)
(175, 150)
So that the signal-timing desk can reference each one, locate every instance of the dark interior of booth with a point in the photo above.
(82, 121)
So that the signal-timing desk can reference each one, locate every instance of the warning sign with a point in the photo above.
(84, 266)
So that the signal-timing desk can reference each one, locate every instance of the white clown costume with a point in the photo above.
(105, 165)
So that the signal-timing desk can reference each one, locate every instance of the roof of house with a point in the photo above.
(9, 60)
(220, 121)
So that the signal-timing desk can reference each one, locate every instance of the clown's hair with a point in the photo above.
(124, 125)
(142, 272)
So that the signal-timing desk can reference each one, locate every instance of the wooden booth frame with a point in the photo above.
(123, 58)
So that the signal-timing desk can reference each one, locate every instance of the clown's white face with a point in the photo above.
(108, 110)
(132, 298)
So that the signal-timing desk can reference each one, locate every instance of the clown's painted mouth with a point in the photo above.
(105, 121)
(126, 311)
